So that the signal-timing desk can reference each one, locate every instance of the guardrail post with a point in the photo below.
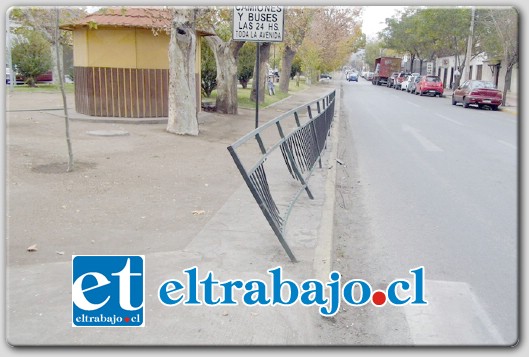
(300, 149)
(262, 205)
(293, 163)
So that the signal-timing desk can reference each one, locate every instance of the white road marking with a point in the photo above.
(454, 316)
(505, 119)
(508, 144)
(426, 143)
(450, 119)
(414, 104)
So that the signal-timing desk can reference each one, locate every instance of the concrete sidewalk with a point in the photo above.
(235, 243)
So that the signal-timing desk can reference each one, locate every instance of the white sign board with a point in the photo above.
(429, 68)
(258, 23)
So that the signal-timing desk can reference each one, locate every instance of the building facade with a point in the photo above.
(121, 63)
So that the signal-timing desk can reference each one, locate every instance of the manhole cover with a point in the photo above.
(108, 133)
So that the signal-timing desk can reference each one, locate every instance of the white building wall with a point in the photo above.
(445, 68)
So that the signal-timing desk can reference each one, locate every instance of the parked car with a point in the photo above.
(401, 77)
(412, 82)
(480, 93)
(45, 77)
(352, 77)
(20, 79)
(405, 84)
(431, 85)
(8, 76)
(325, 76)
(391, 79)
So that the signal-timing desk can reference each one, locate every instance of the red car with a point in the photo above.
(480, 93)
(41, 78)
(430, 85)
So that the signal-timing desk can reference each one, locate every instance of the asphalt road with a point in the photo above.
(438, 186)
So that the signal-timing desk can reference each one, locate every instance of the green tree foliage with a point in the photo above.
(446, 29)
(404, 34)
(333, 35)
(208, 71)
(373, 50)
(246, 63)
(311, 59)
(296, 67)
(297, 25)
(42, 19)
(32, 57)
(426, 33)
(501, 40)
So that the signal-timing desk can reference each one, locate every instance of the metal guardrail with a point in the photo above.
(301, 148)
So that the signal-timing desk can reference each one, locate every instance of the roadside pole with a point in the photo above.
(12, 74)
(466, 73)
(258, 57)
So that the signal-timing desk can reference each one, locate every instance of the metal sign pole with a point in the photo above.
(257, 86)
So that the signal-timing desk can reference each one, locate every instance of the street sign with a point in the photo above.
(429, 68)
(258, 23)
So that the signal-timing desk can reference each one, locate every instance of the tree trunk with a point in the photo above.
(264, 54)
(60, 80)
(412, 59)
(284, 79)
(182, 85)
(55, 53)
(507, 84)
(226, 59)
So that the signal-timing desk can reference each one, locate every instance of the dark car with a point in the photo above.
(431, 85)
(352, 77)
(391, 79)
(325, 76)
(480, 93)
(20, 79)
(45, 77)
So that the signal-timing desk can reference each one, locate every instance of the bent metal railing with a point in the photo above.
(300, 148)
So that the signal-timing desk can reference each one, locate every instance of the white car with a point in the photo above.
(404, 85)
(8, 75)
(412, 82)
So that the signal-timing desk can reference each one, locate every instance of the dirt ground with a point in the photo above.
(149, 189)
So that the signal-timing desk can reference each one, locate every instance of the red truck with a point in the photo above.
(384, 67)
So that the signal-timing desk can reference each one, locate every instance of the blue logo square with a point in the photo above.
(108, 290)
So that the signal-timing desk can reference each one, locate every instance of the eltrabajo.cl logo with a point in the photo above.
(108, 290)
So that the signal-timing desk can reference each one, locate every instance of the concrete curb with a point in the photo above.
(511, 111)
(322, 264)
(278, 102)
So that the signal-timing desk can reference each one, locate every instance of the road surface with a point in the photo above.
(425, 183)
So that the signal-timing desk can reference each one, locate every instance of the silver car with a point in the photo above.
(412, 84)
